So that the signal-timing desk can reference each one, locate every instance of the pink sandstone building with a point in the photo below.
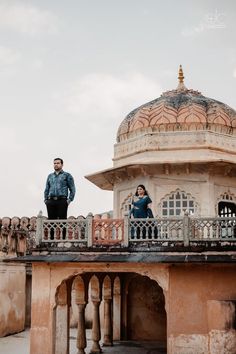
(174, 283)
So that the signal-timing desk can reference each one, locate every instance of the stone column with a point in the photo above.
(39, 228)
(80, 291)
(117, 311)
(89, 229)
(96, 331)
(81, 334)
(126, 230)
(107, 340)
(186, 229)
(62, 322)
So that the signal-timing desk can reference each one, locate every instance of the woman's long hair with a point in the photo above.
(143, 187)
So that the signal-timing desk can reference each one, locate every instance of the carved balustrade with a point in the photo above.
(21, 236)
(213, 229)
(108, 231)
(70, 230)
(170, 229)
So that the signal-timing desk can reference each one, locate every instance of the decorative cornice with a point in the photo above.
(168, 141)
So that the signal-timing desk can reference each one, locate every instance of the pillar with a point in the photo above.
(81, 299)
(107, 340)
(62, 322)
(117, 309)
(81, 334)
(96, 331)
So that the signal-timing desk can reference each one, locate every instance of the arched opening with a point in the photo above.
(122, 306)
(146, 315)
(226, 209)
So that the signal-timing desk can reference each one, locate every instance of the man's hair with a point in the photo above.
(58, 158)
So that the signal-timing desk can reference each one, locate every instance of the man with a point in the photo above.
(59, 191)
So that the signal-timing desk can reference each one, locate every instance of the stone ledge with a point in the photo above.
(153, 257)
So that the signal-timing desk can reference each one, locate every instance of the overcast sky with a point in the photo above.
(70, 71)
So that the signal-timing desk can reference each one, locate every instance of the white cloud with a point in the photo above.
(9, 141)
(8, 56)
(97, 104)
(190, 32)
(37, 64)
(27, 19)
(107, 96)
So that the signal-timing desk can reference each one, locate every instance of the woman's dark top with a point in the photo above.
(140, 207)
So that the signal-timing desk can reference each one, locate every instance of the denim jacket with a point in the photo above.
(59, 185)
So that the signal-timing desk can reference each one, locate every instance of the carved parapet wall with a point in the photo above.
(17, 236)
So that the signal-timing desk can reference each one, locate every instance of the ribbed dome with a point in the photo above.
(179, 110)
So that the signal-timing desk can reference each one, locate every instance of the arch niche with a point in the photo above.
(146, 315)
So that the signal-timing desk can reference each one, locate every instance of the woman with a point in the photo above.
(141, 210)
(141, 203)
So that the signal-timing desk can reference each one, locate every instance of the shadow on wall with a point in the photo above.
(146, 315)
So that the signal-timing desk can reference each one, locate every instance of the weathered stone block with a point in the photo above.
(221, 315)
(188, 344)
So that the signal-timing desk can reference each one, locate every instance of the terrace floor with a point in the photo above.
(19, 344)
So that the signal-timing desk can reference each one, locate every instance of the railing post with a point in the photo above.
(90, 229)
(39, 228)
(186, 229)
(126, 229)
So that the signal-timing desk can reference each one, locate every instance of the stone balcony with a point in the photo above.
(183, 238)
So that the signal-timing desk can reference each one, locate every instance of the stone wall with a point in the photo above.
(200, 321)
(12, 298)
(17, 237)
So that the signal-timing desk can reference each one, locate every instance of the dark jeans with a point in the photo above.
(57, 209)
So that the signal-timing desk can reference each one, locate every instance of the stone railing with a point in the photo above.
(109, 231)
(212, 229)
(80, 232)
(71, 230)
(22, 236)
(95, 231)
(186, 229)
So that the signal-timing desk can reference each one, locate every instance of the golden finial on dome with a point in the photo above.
(181, 74)
(181, 85)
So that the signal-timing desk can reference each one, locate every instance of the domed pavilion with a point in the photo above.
(181, 146)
